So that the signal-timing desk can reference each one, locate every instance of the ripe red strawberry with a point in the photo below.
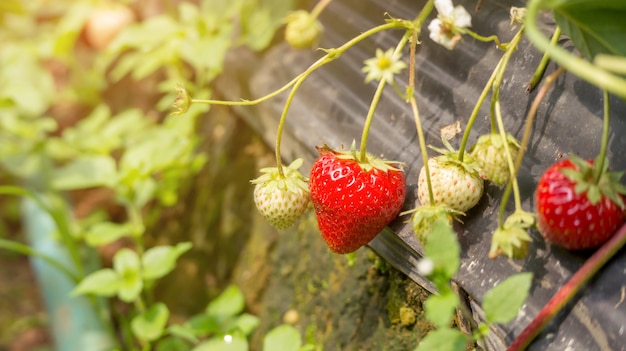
(354, 200)
(455, 184)
(490, 154)
(281, 199)
(574, 209)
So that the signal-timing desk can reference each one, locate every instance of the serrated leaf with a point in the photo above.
(149, 325)
(443, 339)
(502, 303)
(104, 282)
(440, 308)
(595, 26)
(283, 337)
(161, 260)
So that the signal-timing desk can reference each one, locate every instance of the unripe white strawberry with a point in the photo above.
(455, 184)
(281, 199)
(490, 155)
(303, 30)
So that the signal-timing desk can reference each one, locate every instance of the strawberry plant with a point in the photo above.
(144, 160)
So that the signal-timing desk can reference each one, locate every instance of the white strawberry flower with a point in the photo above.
(384, 66)
(447, 28)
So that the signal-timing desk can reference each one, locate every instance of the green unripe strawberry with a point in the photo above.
(490, 154)
(455, 184)
(303, 30)
(281, 199)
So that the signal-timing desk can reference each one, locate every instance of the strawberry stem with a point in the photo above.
(418, 122)
(370, 116)
(528, 126)
(541, 68)
(495, 110)
(509, 159)
(500, 67)
(414, 28)
(569, 290)
(319, 7)
(606, 121)
(283, 118)
(331, 55)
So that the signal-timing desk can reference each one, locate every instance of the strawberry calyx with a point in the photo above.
(594, 179)
(512, 239)
(451, 156)
(369, 163)
(425, 217)
(291, 179)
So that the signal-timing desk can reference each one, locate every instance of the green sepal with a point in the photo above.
(425, 217)
(596, 182)
(291, 180)
(512, 239)
(368, 164)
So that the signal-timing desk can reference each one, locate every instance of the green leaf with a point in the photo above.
(84, 172)
(595, 26)
(102, 233)
(226, 343)
(443, 249)
(228, 304)
(284, 338)
(149, 325)
(246, 323)
(183, 332)
(203, 325)
(161, 260)
(502, 303)
(127, 265)
(443, 339)
(104, 282)
(172, 343)
(440, 308)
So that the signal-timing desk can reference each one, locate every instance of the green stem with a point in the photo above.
(416, 24)
(541, 68)
(570, 289)
(477, 36)
(576, 65)
(319, 7)
(331, 54)
(416, 116)
(509, 159)
(368, 120)
(29, 251)
(490, 83)
(528, 126)
(283, 118)
(605, 134)
(135, 218)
